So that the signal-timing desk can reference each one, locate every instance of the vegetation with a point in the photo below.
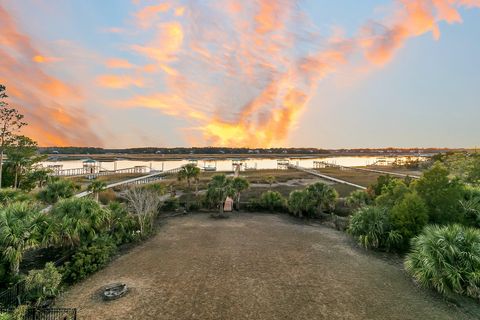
(43, 284)
(11, 120)
(20, 230)
(358, 199)
(219, 188)
(143, 205)
(89, 258)
(58, 189)
(96, 187)
(372, 227)
(312, 201)
(447, 259)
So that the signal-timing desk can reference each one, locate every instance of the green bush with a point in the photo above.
(88, 259)
(43, 284)
(297, 203)
(441, 194)
(447, 259)
(272, 201)
(9, 195)
(78, 220)
(123, 226)
(57, 190)
(372, 228)
(357, 199)
(392, 193)
(5, 316)
(169, 205)
(408, 217)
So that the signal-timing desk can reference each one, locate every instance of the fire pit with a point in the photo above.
(114, 291)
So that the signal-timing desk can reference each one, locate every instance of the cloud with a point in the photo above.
(51, 106)
(118, 63)
(119, 81)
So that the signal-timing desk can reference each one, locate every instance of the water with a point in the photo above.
(226, 164)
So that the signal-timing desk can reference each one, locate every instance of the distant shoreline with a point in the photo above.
(166, 157)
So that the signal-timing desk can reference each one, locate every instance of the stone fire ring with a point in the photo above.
(114, 291)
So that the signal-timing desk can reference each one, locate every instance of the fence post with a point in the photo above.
(75, 314)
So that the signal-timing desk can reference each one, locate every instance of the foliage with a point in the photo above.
(447, 259)
(272, 201)
(297, 203)
(357, 199)
(170, 205)
(10, 122)
(88, 259)
(9, 195)
(392, 193)
(372, 228)
(143, 204)
(20, 229)
(122, 224)
(441, 195)
(43, 284)
(408, 217)
(322, 196)
(217, 191)
(56, 190)
(239, 184)
(159, 188)
(78, 220)
(377, 188)
(5, 316)
(23, 159)
(96, 187)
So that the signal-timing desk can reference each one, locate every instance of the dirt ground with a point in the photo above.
(255, 266)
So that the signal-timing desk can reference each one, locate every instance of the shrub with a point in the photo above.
(78, 220)
(297, 203)
(171, 204)
(43, 284)
(441, 195)
(392, 193)
(58, 189)
(9, 195)
(123, 225)
(88, 259)
(409, 217)
(5, 316)
(447, 259)
(372, 228)
(272, 201)
(357, 199)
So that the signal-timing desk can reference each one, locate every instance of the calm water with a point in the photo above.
(225, 164)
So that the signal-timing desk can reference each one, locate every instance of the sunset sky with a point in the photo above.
(255, 73)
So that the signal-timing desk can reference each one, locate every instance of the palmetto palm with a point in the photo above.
(78, 219)
(239, 184)
(20, 226)
(189, 172)
(96, 187)
(322, 196)
(218, 189)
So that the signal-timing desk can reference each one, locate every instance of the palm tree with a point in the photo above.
(19, 231)
(218, 189)
(96, 187)
(322, 195)
(77, 220)
(239, 184)
(189, 172)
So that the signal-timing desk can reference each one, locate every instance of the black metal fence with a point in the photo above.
(47, 313)
(13, 296)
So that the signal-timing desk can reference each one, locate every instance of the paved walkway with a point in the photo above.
(255, 266)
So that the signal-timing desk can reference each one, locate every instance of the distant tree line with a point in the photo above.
(193, 150)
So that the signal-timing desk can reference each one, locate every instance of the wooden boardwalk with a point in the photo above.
(323, 176)
(403, 175)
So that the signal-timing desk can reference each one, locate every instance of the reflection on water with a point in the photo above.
(226, 164)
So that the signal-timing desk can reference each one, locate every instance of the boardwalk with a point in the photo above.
(259, 267)
(323, 176)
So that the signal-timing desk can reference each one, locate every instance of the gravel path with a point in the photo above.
(254, 266)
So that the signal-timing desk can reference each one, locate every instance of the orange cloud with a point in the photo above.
(119, 82)
(117, 63)
(51, 106)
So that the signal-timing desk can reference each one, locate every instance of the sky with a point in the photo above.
(244, 73)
